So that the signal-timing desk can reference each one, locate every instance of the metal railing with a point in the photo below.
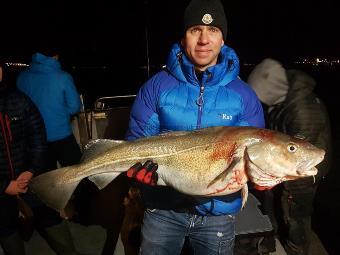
(106, 119)
(107, 103)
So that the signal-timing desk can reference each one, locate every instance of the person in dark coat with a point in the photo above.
(22, 151)
(293, 108)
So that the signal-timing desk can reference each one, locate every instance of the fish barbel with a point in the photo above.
(212, 161)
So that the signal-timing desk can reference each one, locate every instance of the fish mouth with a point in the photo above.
(310, 172)
(262, 179)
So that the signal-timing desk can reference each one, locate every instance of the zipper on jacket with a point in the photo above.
(4, 122)
(200, 102)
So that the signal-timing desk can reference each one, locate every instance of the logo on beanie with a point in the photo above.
(207, 19)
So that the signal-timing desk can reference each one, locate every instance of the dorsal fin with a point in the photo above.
(98, 146)
(173, 133)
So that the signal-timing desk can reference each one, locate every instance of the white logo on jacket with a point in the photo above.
(225, 116)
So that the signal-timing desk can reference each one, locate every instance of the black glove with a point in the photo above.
(144, 173)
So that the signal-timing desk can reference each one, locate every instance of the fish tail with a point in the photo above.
(54, 194)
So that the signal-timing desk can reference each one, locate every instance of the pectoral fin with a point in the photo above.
(223, 175)
(244, 194)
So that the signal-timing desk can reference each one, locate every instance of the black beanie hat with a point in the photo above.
(205, 12)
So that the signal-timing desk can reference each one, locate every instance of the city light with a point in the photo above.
(13, 64)
(318, 61)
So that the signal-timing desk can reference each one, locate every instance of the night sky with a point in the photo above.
(113, 32)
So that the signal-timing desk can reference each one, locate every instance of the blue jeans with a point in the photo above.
(164, 232)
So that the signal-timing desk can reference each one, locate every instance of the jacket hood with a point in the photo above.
(45, 64)
(300, 83)
(226, 69)
(269, 81)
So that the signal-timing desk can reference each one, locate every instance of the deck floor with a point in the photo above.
(90, 239)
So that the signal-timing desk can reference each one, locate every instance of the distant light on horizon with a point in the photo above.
(13, 64)
(316, 61)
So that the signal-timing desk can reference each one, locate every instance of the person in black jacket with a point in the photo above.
(22, 149)
(293, 108)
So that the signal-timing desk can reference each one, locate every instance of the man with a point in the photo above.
(199, 88)
(55, 95)
(22, 153)
(293, 108)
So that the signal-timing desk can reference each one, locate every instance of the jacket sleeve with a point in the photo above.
(72, 97)
(36, 139)
(144, 119)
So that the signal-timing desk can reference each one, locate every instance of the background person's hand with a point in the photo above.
(24, 178)
(13, 189)
(146, 173)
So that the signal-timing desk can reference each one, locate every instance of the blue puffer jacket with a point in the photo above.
(174, 99)
(53, 92)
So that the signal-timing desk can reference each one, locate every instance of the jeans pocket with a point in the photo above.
(226, 246)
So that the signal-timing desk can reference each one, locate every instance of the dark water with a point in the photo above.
(94, 83)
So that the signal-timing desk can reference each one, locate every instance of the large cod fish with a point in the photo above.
(213, 161)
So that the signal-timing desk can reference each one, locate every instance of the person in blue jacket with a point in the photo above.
(55, 95)
(198, 88)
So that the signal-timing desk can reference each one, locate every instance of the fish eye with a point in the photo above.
(292, 147)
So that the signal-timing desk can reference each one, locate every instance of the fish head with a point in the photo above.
(275, 157)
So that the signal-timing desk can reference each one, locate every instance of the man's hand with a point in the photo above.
(14, 189)
(144, 173)
(24, 178)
